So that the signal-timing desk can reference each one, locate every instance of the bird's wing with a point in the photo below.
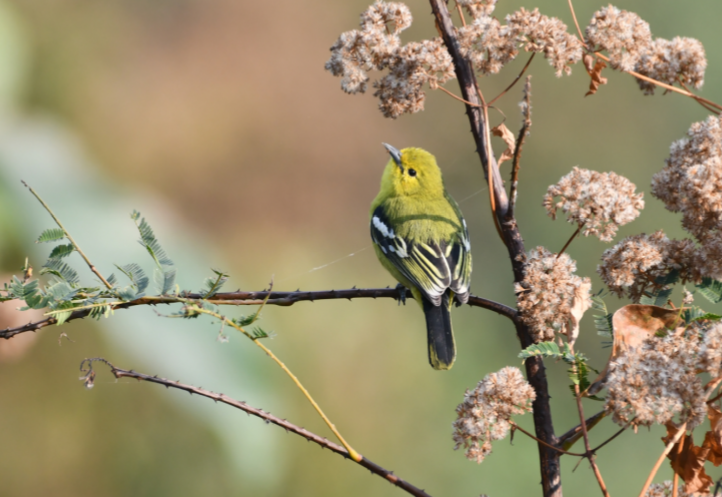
(432, 266)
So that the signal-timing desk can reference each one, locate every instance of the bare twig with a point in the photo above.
(553, 447)
(570, 437)
(200, 310)
(523, 132)
(570, 240)
(667, 449)
(461, 13)
(267, 417)
(70, 238)
(518, 77)
(257, 298)
(455, 96)
(590, 455)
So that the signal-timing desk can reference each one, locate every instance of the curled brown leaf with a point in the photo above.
(503, 132)
(687, 460)
(595, 73)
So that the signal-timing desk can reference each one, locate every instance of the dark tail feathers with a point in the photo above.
(442, 350)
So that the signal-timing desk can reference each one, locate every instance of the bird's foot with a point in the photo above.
(401, 299)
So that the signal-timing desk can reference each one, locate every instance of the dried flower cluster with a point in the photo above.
(665, 490)
(601, 202)
(691, 182)
(711, 351)
(377, 46)
(485, 413)
(478, 8)
(656, 381)
(489, 45)
(546, 295)
(634, 264)
(628, 41)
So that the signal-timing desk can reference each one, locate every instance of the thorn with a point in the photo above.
(353, 287)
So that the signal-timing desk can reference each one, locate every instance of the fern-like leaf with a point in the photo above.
(136, 276)
(149, 241)
(164, 280)
(50, 235)
(602, 319)
(711, 290)
(58, 268)
(61, 251)
(212, 285)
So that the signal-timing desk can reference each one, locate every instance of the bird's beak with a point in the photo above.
(395, 155)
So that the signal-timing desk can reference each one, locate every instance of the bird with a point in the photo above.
(420, 237)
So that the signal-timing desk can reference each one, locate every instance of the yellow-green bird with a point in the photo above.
(421, 238)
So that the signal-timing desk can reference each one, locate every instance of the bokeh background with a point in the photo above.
(217, 121)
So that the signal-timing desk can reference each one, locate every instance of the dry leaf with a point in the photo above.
(687, 461)
(503, 132)
(580, 303)
(713, 438)
(633, 324)
(595, 72)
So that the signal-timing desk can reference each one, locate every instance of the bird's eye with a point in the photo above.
(412, 172)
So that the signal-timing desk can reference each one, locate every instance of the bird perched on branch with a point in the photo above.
(420, 237)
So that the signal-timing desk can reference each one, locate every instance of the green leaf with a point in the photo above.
(711, 290)
(658, 298)
(127, 293)
(669, 279)
(58, 268)
(62, 317)
(213, 285)
(112, 280)
(61, 251)
(602, 320)
(164, 280)
(136, 276)
(149, 241)
(579, 374)
(59, 292)
(50, 235)
(695, 313)
(543, 349)
(244, 320)
(101, 311)
(257, 333)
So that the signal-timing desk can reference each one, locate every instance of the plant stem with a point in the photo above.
(352, 453)
(659, 462)
(570, 240)
(70, 238)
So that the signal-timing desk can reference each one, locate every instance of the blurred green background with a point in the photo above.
(217, 121)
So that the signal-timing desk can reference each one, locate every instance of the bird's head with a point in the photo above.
(412, 171)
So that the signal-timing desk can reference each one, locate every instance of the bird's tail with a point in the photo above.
(442, 350)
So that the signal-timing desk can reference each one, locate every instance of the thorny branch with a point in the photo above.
(257, 298)
(536, 373)
(267, 417)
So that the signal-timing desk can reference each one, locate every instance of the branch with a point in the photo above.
(568, 439)
(257, 298)
(267, 417)
(70, 238)
(535, 370)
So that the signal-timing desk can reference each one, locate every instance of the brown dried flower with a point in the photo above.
(378, 46)
(691, 182)
(412, 66)
(681, 59)
(489, 45)
(547, 35)
(655, 382)
(665, 490)
(478, 8)
(546, 295)
(601, 202)
(634, 264)
(624, 35)
(485, 413)
(711, 351)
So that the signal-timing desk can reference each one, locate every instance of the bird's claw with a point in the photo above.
(401, 299)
